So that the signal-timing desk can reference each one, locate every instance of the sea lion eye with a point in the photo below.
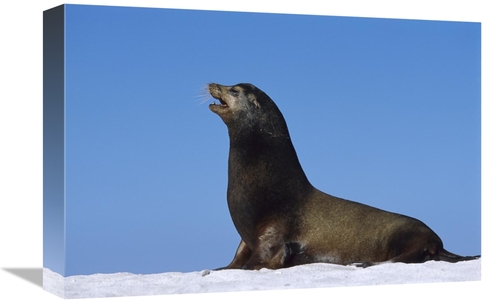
(233, 92)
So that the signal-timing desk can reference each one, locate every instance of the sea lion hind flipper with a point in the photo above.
(416, 256)
(447, 256)
(410, 256)
(363, 264)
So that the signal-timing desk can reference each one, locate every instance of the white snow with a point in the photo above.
(304, 276)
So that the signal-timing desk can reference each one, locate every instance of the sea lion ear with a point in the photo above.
(253, 99)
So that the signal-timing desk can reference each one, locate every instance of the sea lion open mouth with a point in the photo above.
(217, 92)
(222, 103)
(218, 107)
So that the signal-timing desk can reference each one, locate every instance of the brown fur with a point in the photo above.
(282, 219)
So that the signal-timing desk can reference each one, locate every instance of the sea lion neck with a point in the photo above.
(271, 157)
(246, 135)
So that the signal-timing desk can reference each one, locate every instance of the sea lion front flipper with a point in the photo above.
(241, 257)
(269, 249)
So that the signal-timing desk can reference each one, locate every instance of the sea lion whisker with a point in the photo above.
(203, 97)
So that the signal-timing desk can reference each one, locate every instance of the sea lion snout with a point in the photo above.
(216, 91)
(219, 93)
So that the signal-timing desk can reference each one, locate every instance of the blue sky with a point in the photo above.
(383, 112)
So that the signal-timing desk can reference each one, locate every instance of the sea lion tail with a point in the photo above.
(447, 256)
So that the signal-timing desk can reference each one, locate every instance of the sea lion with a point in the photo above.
(282, 219)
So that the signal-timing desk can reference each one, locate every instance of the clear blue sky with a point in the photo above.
(383, 112)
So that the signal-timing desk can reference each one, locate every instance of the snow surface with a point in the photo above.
(304, 276)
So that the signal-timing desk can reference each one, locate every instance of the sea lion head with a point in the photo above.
(245, 108)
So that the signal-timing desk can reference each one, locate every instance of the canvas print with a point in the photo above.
(206, 151)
